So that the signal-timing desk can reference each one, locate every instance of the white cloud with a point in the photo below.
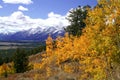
(18, 1)
(21, 8)
(1, 7)
(55, 19)
(52, 14)
(17, 21)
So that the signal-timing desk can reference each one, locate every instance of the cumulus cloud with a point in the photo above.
(21, 8)
(17, 21)
(1, 7)
(56, 19)
(18, 1)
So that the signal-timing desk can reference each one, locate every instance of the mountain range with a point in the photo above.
(33, 34)
(18, 26)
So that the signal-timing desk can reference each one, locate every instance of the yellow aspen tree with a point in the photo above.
(64, 48)
(49, 45)
(96, 51)
(102, 31)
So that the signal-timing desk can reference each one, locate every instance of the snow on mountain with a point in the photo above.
(18, 26)
(17, 21)
(33, 34)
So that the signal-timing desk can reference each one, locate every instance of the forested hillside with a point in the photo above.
(92, 53)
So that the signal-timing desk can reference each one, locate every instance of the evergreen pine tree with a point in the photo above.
(76, 19)
(1, 60)
(20, 60)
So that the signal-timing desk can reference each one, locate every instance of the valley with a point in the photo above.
(8, 48)
(5, 45)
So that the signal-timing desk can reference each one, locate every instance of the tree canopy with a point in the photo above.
(76, 18)
(20, 60)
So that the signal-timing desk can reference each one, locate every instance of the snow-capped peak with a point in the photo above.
(17, 21)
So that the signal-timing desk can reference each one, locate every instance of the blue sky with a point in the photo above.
(41, 8)
(19, 15)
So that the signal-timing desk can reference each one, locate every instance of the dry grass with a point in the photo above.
(57, 73)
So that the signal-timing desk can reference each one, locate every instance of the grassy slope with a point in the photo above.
(57, 74)
(36, 74)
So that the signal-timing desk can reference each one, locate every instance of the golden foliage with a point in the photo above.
(49, 47)
(91, 54)
(7, 68)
